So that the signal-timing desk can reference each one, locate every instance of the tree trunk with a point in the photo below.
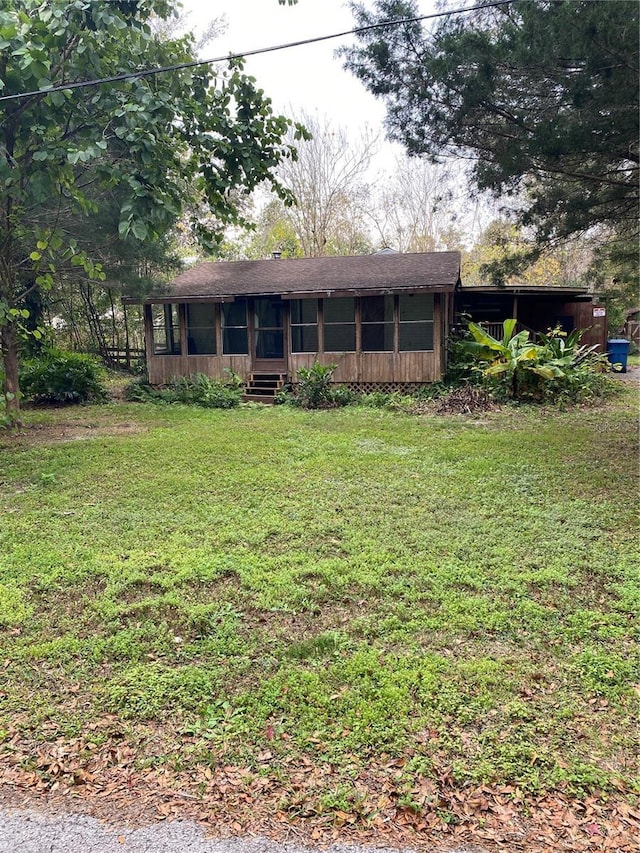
(10, 388)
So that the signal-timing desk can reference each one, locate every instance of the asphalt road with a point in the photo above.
(31, 832)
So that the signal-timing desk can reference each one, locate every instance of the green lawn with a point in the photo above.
(355, 589)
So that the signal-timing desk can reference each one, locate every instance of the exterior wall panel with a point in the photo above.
(352, 367)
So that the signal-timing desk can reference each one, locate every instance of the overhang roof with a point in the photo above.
(578, 289)
(298, 277)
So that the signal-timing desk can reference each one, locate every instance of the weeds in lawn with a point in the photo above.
(348, 587)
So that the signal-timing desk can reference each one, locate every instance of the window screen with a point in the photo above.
(166, 329)
(304, 325)
(415, 322)
(235, 339)
(201, 328)
(339, 325)
(376, 317)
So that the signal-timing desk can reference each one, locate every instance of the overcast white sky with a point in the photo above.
(308, 77)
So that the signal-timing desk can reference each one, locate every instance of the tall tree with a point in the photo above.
(542, 95)
(413, 209)
(273, 232)
(328, 182)
(154, 139)
(501, 241)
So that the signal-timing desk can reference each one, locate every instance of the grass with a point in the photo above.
(345, 587)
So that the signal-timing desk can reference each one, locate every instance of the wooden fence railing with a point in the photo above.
(632, 331)
(496, 330)
(123, 357)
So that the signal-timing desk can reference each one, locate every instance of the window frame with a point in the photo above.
(225, 326)
(346, 323)
(169, 322)
(304, 325)
(369, 323)
(212, 328)
(428, 323)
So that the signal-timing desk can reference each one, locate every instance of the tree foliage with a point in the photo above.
(328, 182)
(272, 232)
(152, 142)
(542, 96)
(413, 208)
(500, 242)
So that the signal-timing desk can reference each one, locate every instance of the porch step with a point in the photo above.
(258, 398)
(263, 387)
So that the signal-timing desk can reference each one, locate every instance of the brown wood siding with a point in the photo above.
(370, 367)
(582, 313)
(163, 368)
(379, 367)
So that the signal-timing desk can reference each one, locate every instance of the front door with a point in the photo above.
(268, 334)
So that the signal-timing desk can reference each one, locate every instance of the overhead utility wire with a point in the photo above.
(134, 75)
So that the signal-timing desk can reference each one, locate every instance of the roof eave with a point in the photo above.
(327, 293)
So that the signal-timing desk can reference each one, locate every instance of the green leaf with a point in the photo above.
(547, 371)
(496, 369)
(483, 337)
(508, 326)
(140, 230)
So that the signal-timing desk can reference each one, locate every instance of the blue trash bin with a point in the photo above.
(617, 353)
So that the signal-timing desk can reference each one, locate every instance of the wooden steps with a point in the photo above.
(263, 387)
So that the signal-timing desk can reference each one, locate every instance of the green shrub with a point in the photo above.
(461, 363)
(314, 390)
(375, 400)
(314, 386)
(196, 390)
(558, 369)
(63, 377)
(199, 390)
(139, 391)
(343, 396)
(286, 397)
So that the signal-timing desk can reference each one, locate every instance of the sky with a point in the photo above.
(308, 78)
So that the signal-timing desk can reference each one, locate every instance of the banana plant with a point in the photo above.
(511, 356)
(564, 349)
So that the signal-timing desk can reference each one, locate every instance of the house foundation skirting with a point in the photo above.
(381, 387)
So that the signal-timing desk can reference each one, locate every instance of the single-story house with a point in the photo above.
(383, 319)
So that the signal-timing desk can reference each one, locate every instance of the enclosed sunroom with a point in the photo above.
(382, 319)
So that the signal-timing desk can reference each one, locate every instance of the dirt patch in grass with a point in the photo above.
(467, 400)
(38, 434)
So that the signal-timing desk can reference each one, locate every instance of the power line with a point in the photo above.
(134, 75)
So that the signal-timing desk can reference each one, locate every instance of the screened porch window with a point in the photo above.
(268, 318)
(339, 325)
(415, 322)
(201, 328)
(376, 318)
(165, 320)
(304, 325)
(235, 340)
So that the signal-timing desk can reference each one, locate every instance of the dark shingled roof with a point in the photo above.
(316, 276)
